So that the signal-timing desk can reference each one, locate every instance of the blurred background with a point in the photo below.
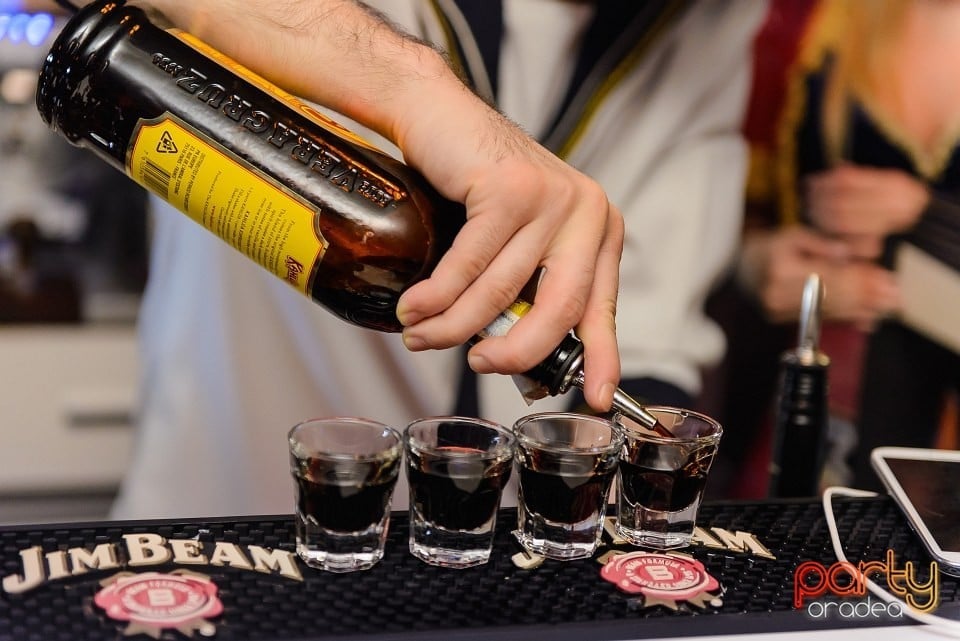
(73, 252)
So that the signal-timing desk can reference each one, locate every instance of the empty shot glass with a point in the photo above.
(567, 463)
(456, 468)
(662, 478)
(344, 470)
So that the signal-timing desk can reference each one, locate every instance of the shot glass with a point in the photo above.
(567, 463)
(456, 468)
(344, 470)
(662, 478)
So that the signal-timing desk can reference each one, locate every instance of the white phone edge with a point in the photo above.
(878, 459)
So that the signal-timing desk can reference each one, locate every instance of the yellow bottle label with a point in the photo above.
(222, 192)
(506, 319)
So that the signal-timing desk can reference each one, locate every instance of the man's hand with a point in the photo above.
(525, 209)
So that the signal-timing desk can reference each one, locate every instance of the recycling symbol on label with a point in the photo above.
(166, 144)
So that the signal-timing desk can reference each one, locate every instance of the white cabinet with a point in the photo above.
(67, 399)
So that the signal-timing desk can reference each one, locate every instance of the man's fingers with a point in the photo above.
(476, 245)
(561, 301)
(595, 283)
(598, 329)
(493, 291)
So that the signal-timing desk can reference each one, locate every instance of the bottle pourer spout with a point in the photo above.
(628, 406)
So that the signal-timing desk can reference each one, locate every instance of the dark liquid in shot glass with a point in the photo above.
(667, 484)
(344, 505)
(457, 494)
(665, 490)
(566, 490)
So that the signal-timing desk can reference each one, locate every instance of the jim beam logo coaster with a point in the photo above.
(153, 602)
(666, 579)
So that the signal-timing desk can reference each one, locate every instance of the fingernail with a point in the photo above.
(404, 315)
(414, 343)
(478, 363)
(606, 395)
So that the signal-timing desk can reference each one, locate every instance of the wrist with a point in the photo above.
(409, 109)
(441, 107)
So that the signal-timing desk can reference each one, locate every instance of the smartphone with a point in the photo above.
(925, 483)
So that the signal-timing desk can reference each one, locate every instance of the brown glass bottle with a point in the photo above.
(174, 114)
(346, 224)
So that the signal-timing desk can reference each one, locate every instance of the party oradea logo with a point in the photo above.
(150, 602)
(841, 589)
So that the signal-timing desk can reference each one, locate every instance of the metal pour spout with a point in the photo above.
(626, 405)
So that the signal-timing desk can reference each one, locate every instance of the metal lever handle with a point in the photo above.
(808, 340)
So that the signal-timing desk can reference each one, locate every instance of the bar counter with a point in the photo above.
(239, 579)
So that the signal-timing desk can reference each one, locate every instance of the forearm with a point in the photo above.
(334, 52)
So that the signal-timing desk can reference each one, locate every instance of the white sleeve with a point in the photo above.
(667, 148)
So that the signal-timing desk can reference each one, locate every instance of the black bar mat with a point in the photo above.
(403, 598)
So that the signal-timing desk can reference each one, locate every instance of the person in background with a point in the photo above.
(865, 161)
(645, 98)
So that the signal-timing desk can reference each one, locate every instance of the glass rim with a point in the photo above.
(394, 447)
(411, 442)
(649, 435)
(616, 439)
